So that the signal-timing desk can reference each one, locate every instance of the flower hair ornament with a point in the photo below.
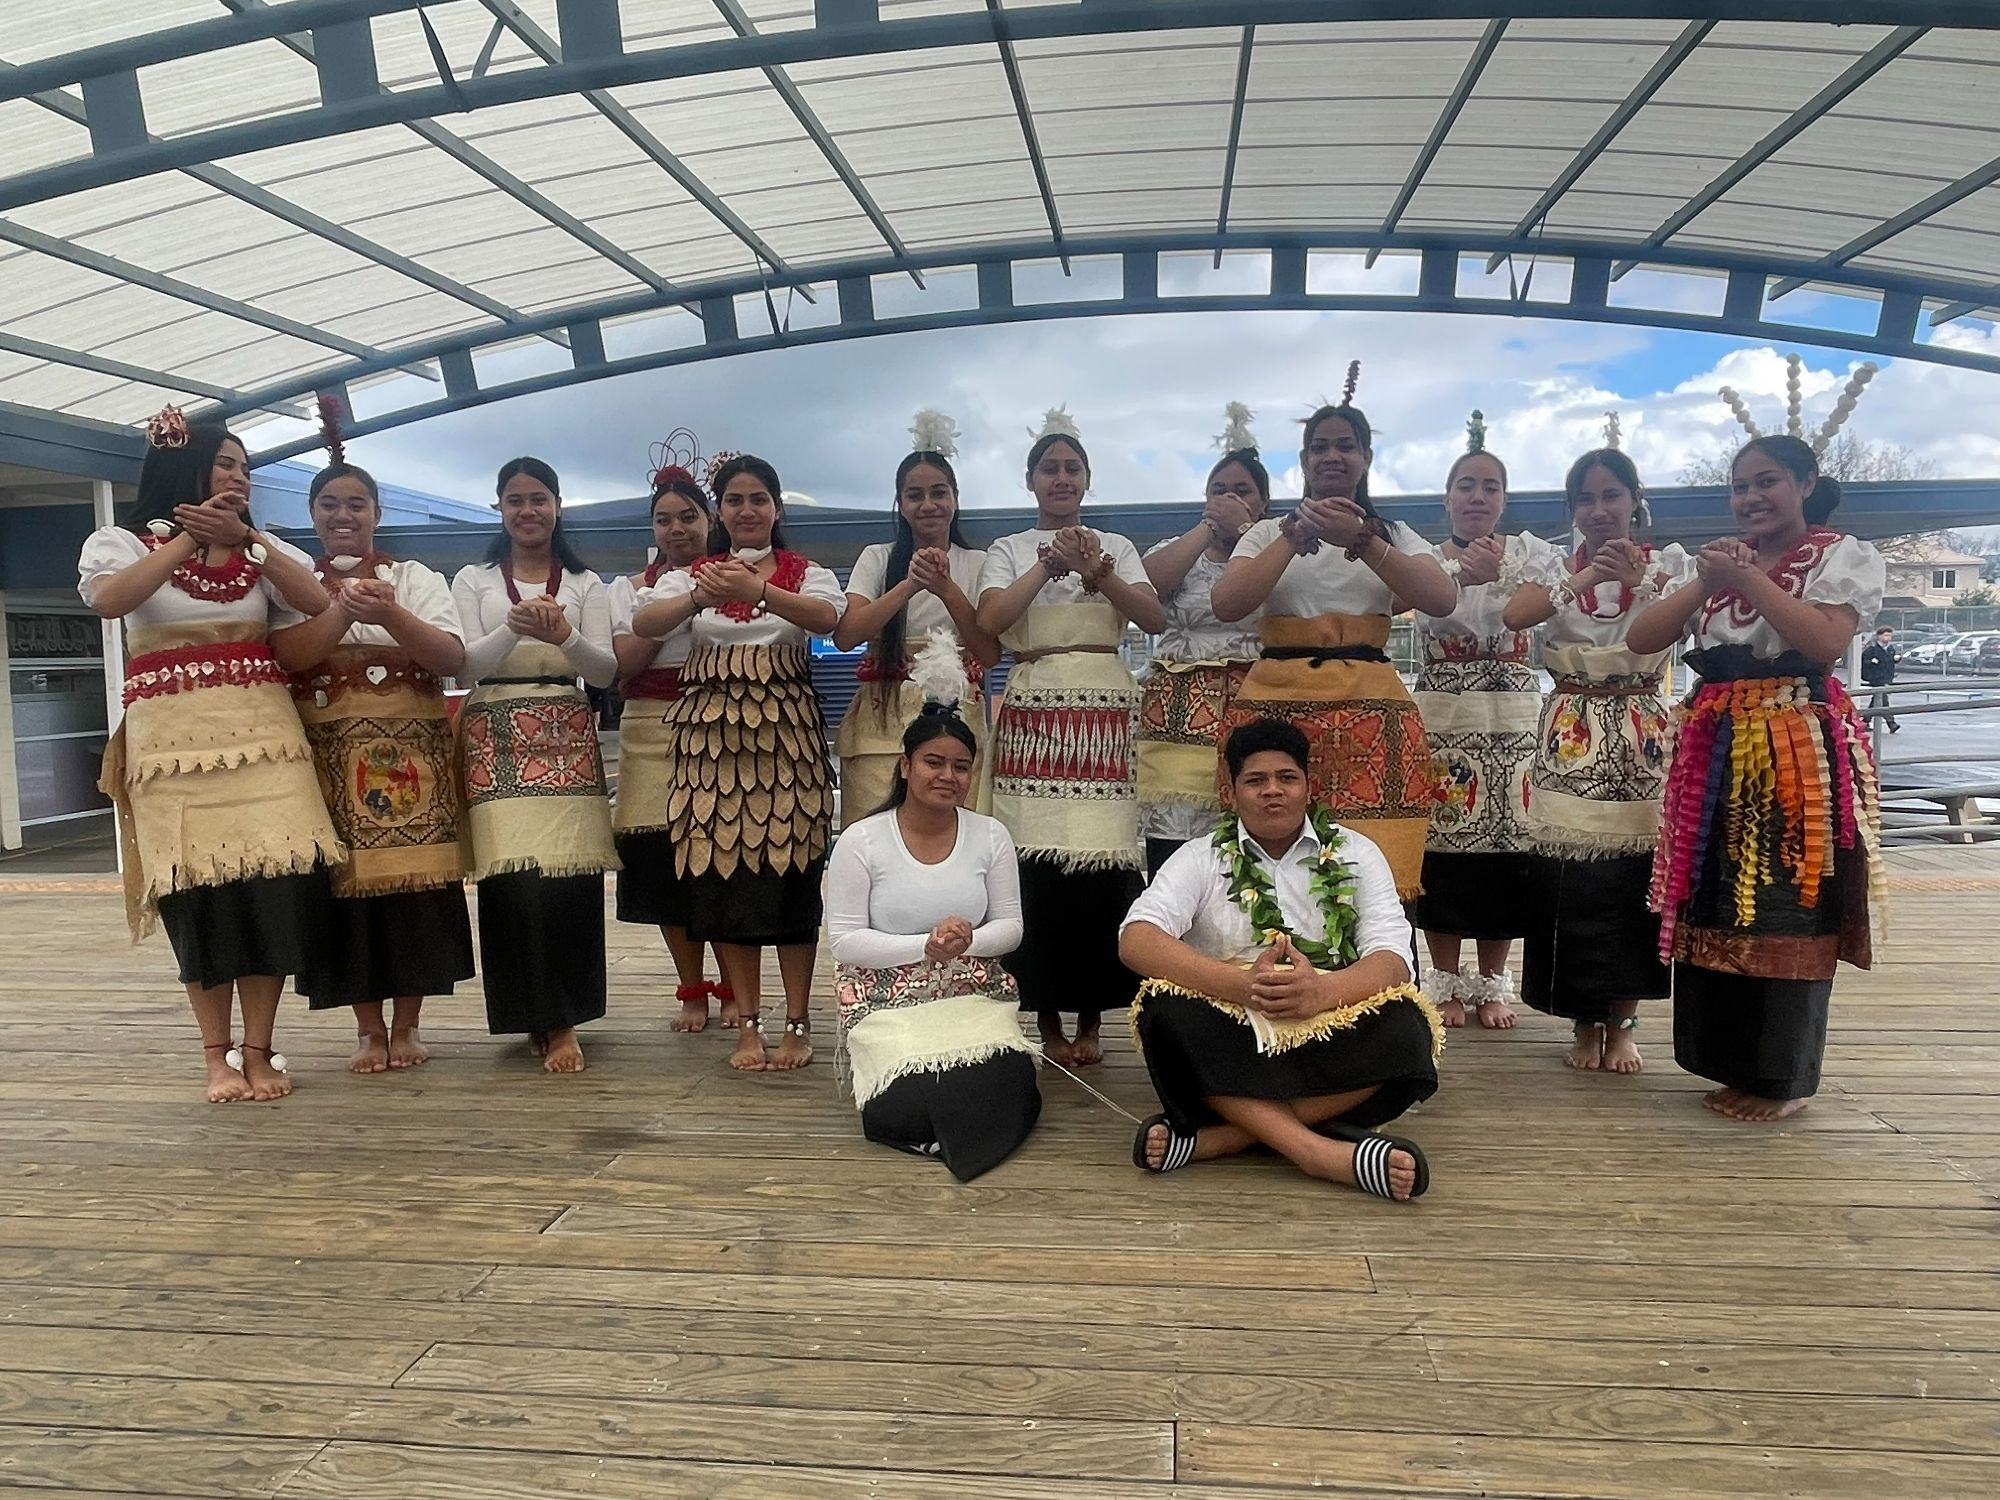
(1795, 405)
(934, 432)
(716, 466)
(938, 672)
(1613, 430)
(1475, 432)
(331, 415)
(1236, 436)
(1056, 422)
(1353, 382)
(675, 457)
(168, 429)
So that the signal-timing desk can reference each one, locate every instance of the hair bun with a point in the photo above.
(1824, 500)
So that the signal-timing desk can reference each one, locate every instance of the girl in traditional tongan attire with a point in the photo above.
(650, 891)
(1591, 950)
(536, 619)
(374, 710)
(923, 900)
(1198, 662)
(1769, 862)
(750, 794)
(1059, 597)
(1328, 578)
(1480, 699)
(226, 839)
(899, 595)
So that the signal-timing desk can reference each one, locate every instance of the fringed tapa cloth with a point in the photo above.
(381, 738)
(1282, 1036)
(1370, 763)
(1769, 863)
(209, 770)
(533, 771)
(1480, 701)
(1600, 754)
(645, 751)
(869, 741)
(1183, 710)
(925, 1018)
(1062, 745)
(749, 786)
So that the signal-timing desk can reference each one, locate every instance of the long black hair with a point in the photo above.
(1364, 434)
(888, 645)
(764, 474)
(938, 721)
(179, 476)
(502, 545)
(1796, 457)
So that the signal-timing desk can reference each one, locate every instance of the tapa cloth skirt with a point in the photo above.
(1196, 1051)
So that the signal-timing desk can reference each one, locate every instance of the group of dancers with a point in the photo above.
(1237, 848)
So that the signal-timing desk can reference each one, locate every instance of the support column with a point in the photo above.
(10, 770)
(103, 513)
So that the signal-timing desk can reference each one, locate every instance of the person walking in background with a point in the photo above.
(1878, 670)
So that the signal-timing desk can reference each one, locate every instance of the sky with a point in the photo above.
(1148, 393)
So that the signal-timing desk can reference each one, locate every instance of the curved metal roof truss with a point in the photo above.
(246, 201)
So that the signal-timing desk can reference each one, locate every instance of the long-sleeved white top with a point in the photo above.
(480, 592)
(712, 627)
(1189, 898)
(882, 904)
(420, 590)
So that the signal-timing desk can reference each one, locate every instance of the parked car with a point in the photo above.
(1965, 650)
(1925, 635)
(1931, 653)
(1988, 659)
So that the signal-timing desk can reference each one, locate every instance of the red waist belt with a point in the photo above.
(182, 669)
(663, 683)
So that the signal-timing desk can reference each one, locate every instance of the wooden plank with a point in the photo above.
(247, 1356)
(48, 1458)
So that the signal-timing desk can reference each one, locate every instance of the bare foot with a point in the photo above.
(1756, 1109)
(1336, 1164)
(538, 1043)
(1496, 1015)
(406, 1050)
(1720, 1100)
(1058, 1048)
(1621, 1051)
(749, 1055)
(371, 1053)
(565, 1052)
(795, 1051)
(266, 1082)
(694, 1008)
(1451, 1012)
(1088, 1048)
(1587, 1053)
(732, 1014)
(225, 1084)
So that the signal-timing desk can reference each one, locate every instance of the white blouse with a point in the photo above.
(420, 590)
(1325, 582)
(1011, 556)
(1189, 898)
(882, 904)
(480, 592)
(925, 614)
(1607, 623)
(1480, 605)
(1826, 568)
(1193, 633)
(711, 627)
(624, 594)
(112, 549)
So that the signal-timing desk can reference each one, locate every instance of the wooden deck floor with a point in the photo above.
(665, 1280)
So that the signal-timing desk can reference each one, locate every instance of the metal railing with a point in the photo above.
(1921, 802)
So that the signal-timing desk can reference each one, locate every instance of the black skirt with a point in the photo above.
(269, 924)
(1765, 1036)
(541, 951)
(1478, 896)
(384, 947)
(1068, 958)
(756, 908)
(1593, 939)
(1195, 1052)
(970, 1118)
(650, 891)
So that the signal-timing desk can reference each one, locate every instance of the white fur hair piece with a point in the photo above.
(1236, 434)
(938, 671)
(1057, 422)
(934, 432)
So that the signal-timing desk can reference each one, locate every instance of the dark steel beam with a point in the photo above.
(1977, 180)
(1454, 106)
(1243, 56)
(119, 369)
(1796, 124)
(1003, 39)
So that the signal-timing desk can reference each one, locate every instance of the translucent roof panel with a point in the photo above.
(341, 241)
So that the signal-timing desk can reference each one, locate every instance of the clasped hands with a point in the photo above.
(541, 618)
(369, 601)
(1335, 519)
(1479, 561)
(1284, 985)
(1075, 549)
(1727, 563)
(727, 581)
(219, 521)
(948, 940)
(930, 570)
